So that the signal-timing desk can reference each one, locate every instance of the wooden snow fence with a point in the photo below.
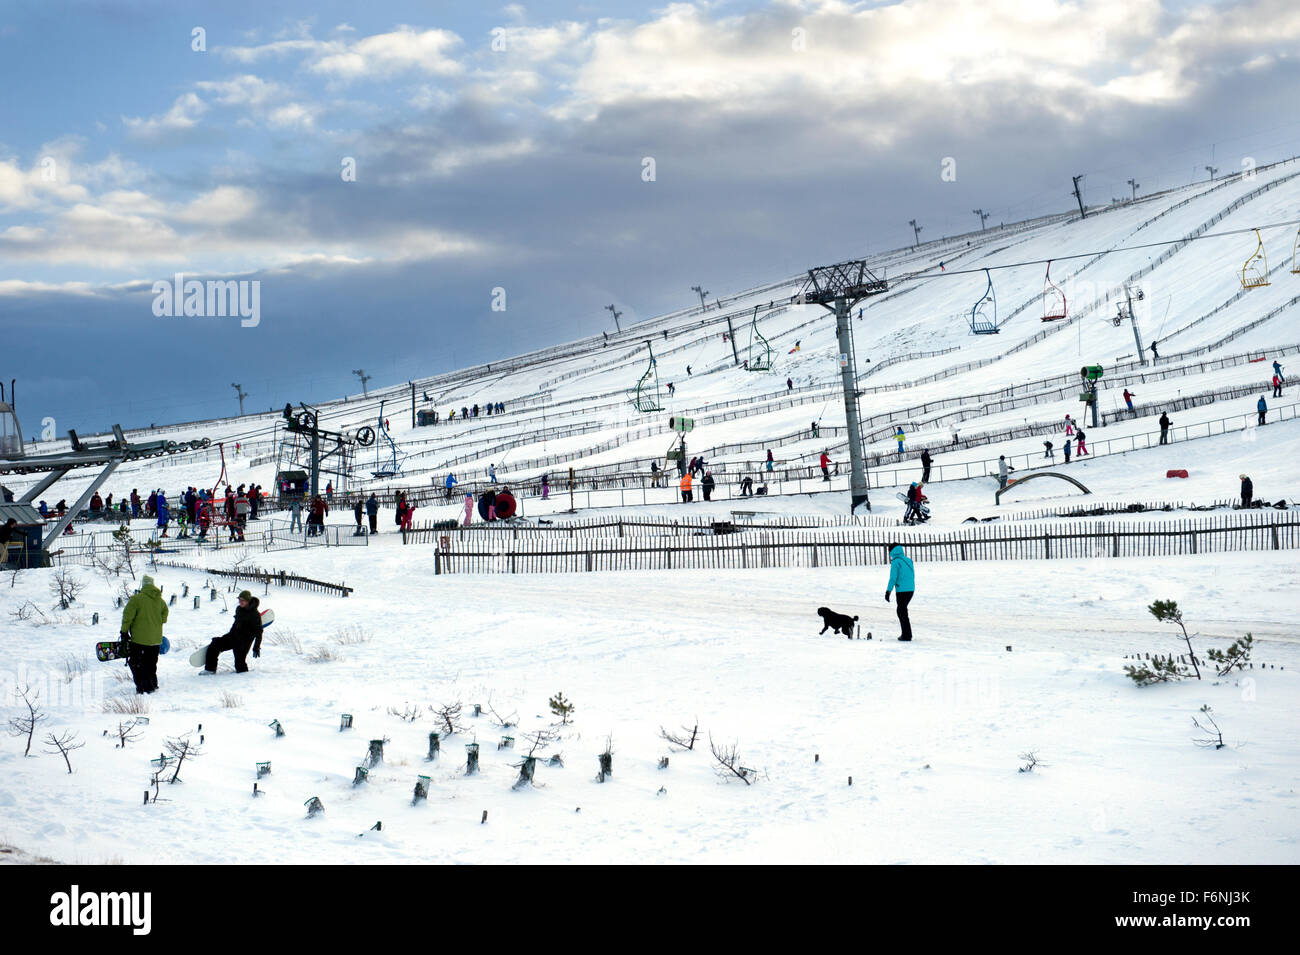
(848, 547)
(267, 577)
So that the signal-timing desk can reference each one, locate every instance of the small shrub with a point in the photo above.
(230, 700)
(126, 704)
(351, 636)
(73, 667)
(322, 654)
(285, 639)
(1161, 670)
(562, 708)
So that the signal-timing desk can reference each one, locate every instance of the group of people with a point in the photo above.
(473, 411)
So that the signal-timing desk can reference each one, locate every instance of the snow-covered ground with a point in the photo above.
(931, 733)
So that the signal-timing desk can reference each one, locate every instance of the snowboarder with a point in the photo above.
(1081, 448)
(1164, 427)
(914, 498)
(1277, 387)
(900, 438)
(142, 623)
(686, 487)
(1262, 407)
(1003, 469)
(708, 485)
(902, 577)
(1049, 454)
(1128, 399)
(372, 511)
(245, 634)
(1247, 491)
(925, 466)
(825, 461)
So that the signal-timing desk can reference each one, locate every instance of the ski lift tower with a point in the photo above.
(838, 288)
(1132, 293)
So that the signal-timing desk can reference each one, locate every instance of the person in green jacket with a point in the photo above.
(902, 577)
(142, 623)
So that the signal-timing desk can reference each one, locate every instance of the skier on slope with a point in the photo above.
(825, 461)
(1128, 399)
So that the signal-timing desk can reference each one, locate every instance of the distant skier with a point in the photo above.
(1262, 407)
(1069, 425)
(1049, 453)
(826, 466)
(1082, 448)
(492, 473)
(357, 510)
(708, 484)
(329, 486)
(902, 577)
(449, 482)
(1164, 427)
(1277, 387)
(1277, 370)
(1003, 469)
(1067, 450)
(1128, 399)
(925, 466)
(688, 369)
(1154, 353)
(816, 431)
(789, 384)
(1247, 491)
(164, 513)
(769, 459)
(546, 486)
(469, 508)
(900, 437)
(747, 486)
(372, 511)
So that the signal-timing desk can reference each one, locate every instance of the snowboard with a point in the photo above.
(200, 656)
(119, 649)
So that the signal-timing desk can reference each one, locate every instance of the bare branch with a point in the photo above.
(728, 760)
(686, 739)
(26, 725)
(63, 744)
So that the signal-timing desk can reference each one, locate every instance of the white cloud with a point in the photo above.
(184, 114)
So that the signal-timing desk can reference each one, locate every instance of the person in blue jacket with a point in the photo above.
(450, 483)
(164, 512)
(1262, 407)
(902, 577)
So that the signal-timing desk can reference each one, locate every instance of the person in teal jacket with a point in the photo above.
(902, 577)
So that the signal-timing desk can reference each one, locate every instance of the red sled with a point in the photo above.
(1260, 358)
(1179, 473)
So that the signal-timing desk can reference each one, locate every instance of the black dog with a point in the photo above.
(839, 622)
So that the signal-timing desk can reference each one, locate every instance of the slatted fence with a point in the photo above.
(1264, 531)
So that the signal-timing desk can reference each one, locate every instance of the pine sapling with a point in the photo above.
(562, 708)
(1235, 657)
(1166, 611)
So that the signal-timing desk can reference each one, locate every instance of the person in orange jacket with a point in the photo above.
(686, 487)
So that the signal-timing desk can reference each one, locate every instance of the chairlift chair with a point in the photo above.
(1054, 308)
(646, 398)
(1254, 274)
(760, 352)
(984, 313)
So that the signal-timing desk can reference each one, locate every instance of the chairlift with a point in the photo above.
(984, 313)
(1254, 274)
(760, 352)
(646, 398)
(392, 465)
(1054, 308)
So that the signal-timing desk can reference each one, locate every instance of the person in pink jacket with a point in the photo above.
(469, 508)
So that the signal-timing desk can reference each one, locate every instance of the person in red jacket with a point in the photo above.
(316, 520)
(826, 466)
(1128, 399)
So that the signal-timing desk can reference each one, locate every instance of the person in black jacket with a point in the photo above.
(244, 634)
(708, 485)
(1247, 491)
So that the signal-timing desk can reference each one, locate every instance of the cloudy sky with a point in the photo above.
(381, 167)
